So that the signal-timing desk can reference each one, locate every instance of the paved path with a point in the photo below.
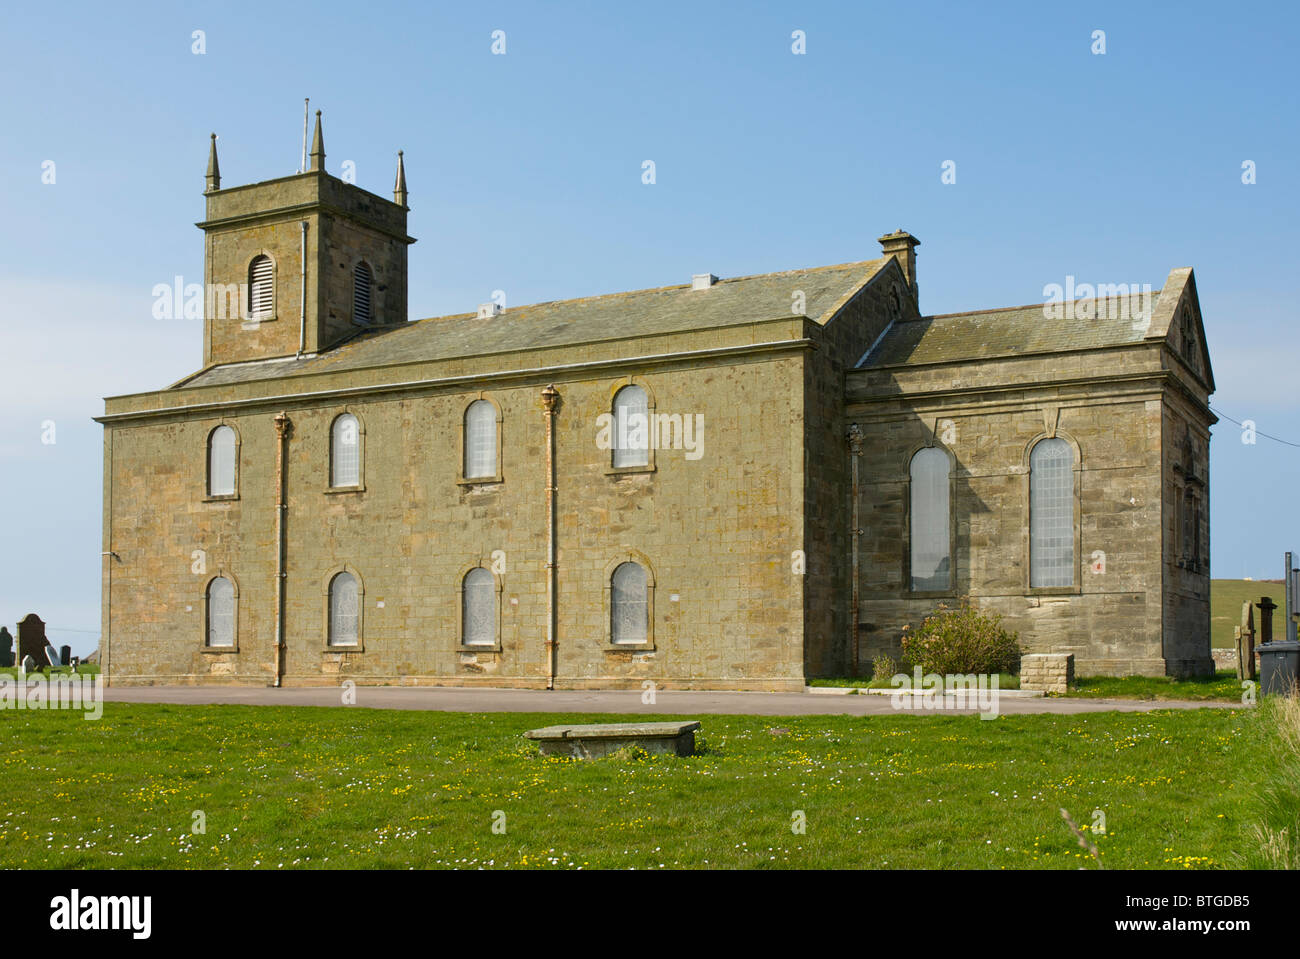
(454, 699)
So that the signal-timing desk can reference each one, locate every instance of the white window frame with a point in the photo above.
(632, 456)
(338, 481)
(1053, 515)
(481, 429)
(486, 590)
(332, 630)
(210, 487)
(622, 639)
(208, 611)
(923, 513)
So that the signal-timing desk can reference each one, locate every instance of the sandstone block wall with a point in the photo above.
(1111, 618)
(716, 534)
(1051, 672)
(827, 499)
(345, 225)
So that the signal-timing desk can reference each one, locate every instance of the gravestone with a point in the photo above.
(51, 655)
(31, 638)
(6, 647)
(1245, 637)
(592, 741)
(65, 655)
(29, 664)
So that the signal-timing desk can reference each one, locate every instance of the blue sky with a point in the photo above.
(525, 175)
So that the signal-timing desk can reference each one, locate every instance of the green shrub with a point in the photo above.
(883, 668)
(962, 640)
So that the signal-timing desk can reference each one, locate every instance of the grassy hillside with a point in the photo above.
(1226, 597)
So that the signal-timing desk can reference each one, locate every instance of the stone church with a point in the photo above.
(736, 483)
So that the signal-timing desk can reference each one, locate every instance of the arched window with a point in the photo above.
(221, 613)
(261, 288)
(931, 562)
(221, 462)
(362, 285)
(631, 438)
(345, 451)
(1051, 514)
(478, 602)
(480, 440)
(345, 608)
(629, 604)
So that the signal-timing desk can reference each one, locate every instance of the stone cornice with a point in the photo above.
(296, 211)
(1156, 380)
(464, 381)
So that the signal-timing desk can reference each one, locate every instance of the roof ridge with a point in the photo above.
(660, 289)
(1027, 306)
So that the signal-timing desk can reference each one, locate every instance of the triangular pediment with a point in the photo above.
(1177, 320)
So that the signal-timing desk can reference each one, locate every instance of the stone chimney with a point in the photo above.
(902, 246)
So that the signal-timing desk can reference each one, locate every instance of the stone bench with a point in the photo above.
(589, 742)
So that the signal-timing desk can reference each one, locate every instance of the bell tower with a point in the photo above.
(297, 265)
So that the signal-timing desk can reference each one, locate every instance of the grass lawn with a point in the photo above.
(1005, 681)
(304, 787)
(1226, 597)
(86, 670)
(1222, 687)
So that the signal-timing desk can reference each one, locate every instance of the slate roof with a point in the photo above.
(559, 323)
(1012, 331)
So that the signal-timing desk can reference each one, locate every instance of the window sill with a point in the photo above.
(254, 322)
(479, 648)
(359, 648)
(1054, 591)
(226, 498)
(931, 594)
(630, 647)
(479, 480)
(624, 470)
(345, 489)
(218, 650)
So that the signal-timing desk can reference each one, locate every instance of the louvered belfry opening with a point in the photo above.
(261, 288)
(362, 280)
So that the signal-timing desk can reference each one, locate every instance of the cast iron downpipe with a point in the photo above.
(855, 451)
(550, 397)
(282, 430)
